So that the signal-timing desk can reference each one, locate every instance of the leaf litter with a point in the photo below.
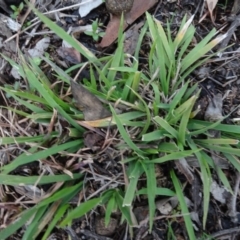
(88, 103)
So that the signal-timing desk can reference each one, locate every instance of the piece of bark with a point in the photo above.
(139, 7)
(88, 103)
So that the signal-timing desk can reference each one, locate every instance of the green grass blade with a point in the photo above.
(151, 187)
(39, 138)
(182, 33)
(173, 156)
(65, 36)
(123, 209)
(228, 149)
(111, 206)
(183, 131)
(79, 211)
(147, 111)
(34, 81)
(15, 180)
(198, 124)
(23, 218)
(135, 86)
(233, 160)
(131, 189)
(153, 136)
(33, 226)
(65, 194)
(57, 216)
(177, 99)
(206, 179)
(165, 125)
(217, 141)
(26, 95)
(25, 158)
(158, 191)
(184, 208)
(124, 134)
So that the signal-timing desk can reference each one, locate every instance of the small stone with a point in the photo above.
(116, 7)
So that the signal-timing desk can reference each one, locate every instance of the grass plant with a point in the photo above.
(155, 129)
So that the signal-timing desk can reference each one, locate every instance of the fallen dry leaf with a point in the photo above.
(88, 103)
(39, 49)
(11, 24)
(219, 193)
(131, 38)
(139, 7)
(164, 207)
(211, 6)
(69, 54)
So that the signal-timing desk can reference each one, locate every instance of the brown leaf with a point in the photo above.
(139, 7)
(131, 38)
(69, 54)
(88, 103)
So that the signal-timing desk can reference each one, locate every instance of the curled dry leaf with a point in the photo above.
(88, 103)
